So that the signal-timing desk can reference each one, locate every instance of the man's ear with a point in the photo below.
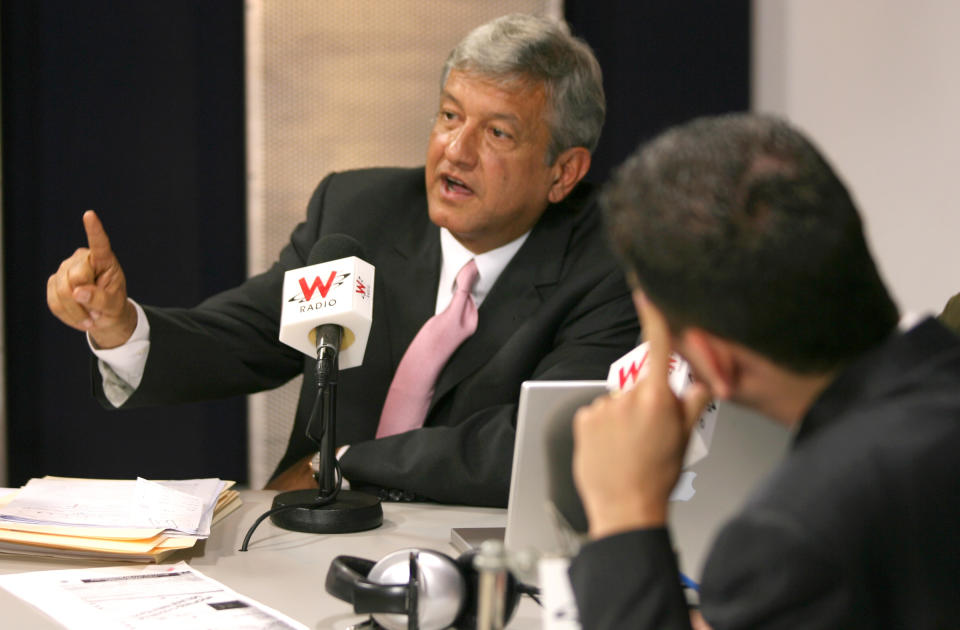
(568, 170)
(714, 360)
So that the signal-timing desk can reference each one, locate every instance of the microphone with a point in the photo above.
(327, 306)
(326, 313)
(626, 371)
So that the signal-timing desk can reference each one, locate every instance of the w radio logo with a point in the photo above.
(308, 289)
(630, 374)
(364, 290)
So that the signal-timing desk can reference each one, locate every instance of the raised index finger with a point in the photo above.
(97, 240)
(657, 333)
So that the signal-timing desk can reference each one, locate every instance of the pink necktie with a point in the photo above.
(412, 388)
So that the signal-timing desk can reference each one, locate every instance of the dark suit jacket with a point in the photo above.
(859, 527)
(560, 310)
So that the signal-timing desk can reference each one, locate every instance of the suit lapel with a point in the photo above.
(411, 271)
(515, 296)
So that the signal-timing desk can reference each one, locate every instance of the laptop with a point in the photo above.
(544, 511)
(531, 520)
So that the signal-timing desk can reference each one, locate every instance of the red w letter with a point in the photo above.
(316, 286)
(633, 372)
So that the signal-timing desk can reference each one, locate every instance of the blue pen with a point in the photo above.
(688, 583)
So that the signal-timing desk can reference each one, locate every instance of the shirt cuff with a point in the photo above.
(122, 367)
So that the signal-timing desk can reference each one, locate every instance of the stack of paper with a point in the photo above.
(112, 519)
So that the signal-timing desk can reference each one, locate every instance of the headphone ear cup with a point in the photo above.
(442, 588)
(468, 617)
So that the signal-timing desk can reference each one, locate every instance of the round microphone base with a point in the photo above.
(351, 511)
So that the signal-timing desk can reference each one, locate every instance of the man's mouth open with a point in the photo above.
(455, 187)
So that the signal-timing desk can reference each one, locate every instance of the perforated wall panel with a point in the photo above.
(335, 85)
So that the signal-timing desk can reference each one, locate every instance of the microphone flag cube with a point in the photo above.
(626, 371)
(336, 292)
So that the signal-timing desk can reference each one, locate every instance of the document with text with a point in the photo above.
(138, 597)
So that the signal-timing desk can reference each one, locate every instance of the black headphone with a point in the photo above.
(415, 589)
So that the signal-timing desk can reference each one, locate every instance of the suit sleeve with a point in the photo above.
(227, 345)
(470, 461)
(762, 573)
(629, 580)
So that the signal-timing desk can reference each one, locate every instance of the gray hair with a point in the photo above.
(529, 48)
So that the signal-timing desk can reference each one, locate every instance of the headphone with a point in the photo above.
(415, 589)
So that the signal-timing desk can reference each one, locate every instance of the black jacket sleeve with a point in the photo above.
(629, 580)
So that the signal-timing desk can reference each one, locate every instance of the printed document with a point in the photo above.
(149, 598)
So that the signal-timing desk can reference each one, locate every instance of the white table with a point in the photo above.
(286, 570)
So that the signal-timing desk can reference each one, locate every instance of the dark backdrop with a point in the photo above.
(663, 63)
(135, 109)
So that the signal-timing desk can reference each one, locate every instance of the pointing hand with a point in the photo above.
(89, 292)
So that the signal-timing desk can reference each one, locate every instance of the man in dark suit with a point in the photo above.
(748, 259)
(521, 109)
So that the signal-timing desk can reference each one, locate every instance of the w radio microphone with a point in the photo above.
(629, 369)
(327, 306)
(326, 313)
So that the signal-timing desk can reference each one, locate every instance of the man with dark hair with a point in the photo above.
(520, 110)
(748, 258)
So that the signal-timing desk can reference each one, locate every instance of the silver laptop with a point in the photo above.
(745, 448)
(531, 521)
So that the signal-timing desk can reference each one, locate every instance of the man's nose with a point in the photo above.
(462, 148)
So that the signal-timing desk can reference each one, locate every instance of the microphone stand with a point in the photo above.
(328, 510)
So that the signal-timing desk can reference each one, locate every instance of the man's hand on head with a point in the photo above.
(89, 291)
(629, 447)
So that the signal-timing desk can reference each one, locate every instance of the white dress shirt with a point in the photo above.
(489, 267)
